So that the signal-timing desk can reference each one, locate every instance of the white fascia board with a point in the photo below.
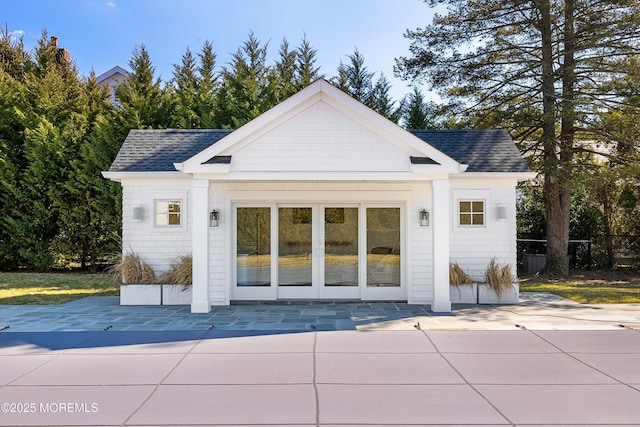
(321, 176)
(519, 176)
(119, 176)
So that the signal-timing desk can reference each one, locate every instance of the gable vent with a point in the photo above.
(423, 161)
(218, 160)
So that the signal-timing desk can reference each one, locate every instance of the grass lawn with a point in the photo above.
(590, 287)
(53, 288)
(56, 288)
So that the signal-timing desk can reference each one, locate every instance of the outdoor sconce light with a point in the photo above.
(501, 213)
(424, 218)
(138, 213)
(214, 218)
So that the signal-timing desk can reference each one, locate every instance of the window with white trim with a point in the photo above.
(471, 213)
(168, 213)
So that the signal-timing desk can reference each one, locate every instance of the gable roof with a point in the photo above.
(112, 72)
(158, 150)
(490, 150)
(320, 92)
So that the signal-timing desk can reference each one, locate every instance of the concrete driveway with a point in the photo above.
(565, 373)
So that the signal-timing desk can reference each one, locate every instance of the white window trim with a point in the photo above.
(183, 218)
(484, 213)
(470, 195)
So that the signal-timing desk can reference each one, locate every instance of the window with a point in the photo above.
(168, 213)
(471, 212)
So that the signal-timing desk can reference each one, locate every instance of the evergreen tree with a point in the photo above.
(14, 64)
(245, 91)
(306, 71)
(546, 58)
(143, 102)
(89, 209)
(284, 73)
(419, 113)
(53, 125)
(355, 79)
(382, 102)
(208, 88)
(185, 115)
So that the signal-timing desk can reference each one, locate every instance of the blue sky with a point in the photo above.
(102, 33)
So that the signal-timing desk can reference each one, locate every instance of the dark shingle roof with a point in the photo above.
(158, 150)
(483, 150)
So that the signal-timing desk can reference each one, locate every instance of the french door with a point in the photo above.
(316, 251)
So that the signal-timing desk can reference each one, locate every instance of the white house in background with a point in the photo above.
(320, 197)
(112, 78)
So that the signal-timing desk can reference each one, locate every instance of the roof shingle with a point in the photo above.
(158, 150)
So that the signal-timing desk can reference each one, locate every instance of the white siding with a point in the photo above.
(157, 246)
(320, 139)
(219, 247)
(473, 247)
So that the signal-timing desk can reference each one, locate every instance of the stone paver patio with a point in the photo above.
(545, 362)
(535, 311)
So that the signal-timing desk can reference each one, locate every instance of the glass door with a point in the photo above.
(340, 276)
(319, 251)
(383, 254)
(253, 275)
(296, 264)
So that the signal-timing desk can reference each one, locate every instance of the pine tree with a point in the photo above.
(546, 61)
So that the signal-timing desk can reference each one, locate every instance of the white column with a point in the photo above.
(440, 224)
(200, 238)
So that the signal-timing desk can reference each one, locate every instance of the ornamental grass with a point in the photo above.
(499, 278)
(457, 276)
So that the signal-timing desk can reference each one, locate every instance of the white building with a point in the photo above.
(113, 78)
(320, 197)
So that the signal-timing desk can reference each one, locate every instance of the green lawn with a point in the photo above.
(53, 288)
(590, 287)
(56, 288)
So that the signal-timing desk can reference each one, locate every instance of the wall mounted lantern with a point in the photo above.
(214, 218)
(424, 218)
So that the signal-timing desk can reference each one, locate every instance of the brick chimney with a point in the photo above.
(62, 55)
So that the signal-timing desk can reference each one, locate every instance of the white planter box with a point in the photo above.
(488, 296)
(140, 294)
(463, 294)
(176, 295)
